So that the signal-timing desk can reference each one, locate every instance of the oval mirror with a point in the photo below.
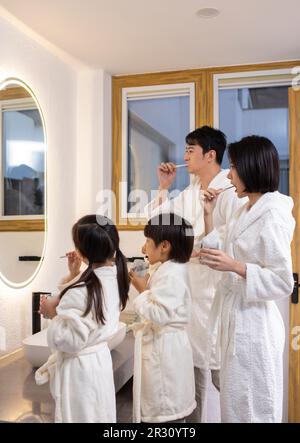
(23, 183)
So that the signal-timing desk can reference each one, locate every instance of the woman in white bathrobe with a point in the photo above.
(256, 260)
(164, 388)
(80, 371)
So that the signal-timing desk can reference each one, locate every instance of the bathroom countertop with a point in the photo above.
(21, 400)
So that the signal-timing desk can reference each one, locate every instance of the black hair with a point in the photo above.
(257, 163)
(174, 229)
(97, 239)
(209, 139)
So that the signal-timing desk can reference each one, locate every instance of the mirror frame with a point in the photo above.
(29, 224)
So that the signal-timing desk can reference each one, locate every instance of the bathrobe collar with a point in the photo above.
(267, 202)
(163, 267)
(217, 182)
(106, 271)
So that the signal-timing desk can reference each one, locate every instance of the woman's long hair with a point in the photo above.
(97, 239)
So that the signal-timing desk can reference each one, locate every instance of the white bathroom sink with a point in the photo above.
(37, 351)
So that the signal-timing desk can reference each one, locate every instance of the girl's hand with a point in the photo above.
(140, 283)
(74, 263)
(210, 197)
(48, 306)
(220, 261)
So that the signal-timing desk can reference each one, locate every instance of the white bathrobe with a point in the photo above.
(188, 204)
(164, 387)
(251, 329)
(80, 371)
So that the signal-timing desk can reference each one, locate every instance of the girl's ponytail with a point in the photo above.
(122, 277)
(94, 288)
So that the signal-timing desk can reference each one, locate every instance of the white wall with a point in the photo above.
(94, 164)
(76, 104)
(15, 244)
(55, 85)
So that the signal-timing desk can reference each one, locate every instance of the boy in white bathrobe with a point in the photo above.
(255, 259)
(164, 389)
(80, 371)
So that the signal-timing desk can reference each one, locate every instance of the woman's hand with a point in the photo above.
(210, 197)
(140, 283)
(48, 306)
(220, 261)
(74, 264)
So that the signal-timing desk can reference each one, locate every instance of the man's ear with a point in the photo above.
(212, 155)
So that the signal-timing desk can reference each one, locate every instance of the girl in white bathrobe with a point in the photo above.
(164, 388)
(80, 371)
(256, 260)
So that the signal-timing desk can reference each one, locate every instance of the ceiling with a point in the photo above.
(135, 36)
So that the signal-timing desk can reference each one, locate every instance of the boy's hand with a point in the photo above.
(140, 283)
(195, 253)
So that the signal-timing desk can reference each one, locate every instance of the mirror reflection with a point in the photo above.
(22, 202)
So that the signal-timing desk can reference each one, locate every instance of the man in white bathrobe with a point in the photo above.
(203, 157)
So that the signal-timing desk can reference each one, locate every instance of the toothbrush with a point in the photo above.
(228, 187)
(180, 166)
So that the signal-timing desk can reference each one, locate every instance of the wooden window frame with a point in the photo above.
(19, 223)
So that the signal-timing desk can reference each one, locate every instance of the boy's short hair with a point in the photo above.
(209, 139)
(174, 229)
(257, 163)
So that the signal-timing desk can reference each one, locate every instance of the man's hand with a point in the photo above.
(166, 173)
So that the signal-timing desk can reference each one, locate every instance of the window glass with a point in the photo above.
(258, 111)
(157, 128)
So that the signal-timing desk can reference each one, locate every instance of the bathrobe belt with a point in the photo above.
(225, 324)
(42, 374)
(141, 329)
(53, 366)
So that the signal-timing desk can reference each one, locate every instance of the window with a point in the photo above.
(256, 103)
(155, 122)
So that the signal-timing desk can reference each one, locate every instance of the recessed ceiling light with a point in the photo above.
(208, 12)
